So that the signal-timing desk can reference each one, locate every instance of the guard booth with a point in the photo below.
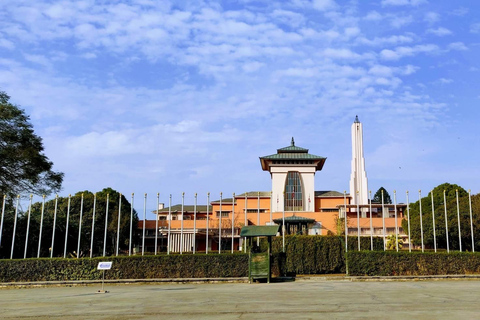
(259, 262)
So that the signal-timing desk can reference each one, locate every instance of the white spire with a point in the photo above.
(358, 177)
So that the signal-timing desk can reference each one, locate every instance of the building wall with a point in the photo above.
(279, 174)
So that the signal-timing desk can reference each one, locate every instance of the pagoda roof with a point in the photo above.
(292, 153)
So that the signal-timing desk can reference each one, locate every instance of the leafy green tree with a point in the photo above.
(24, 168)
(392, 242)
(73, 226)
(452, 218)
(377, 197)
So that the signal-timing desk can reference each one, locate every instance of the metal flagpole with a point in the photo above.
(169, 222)
(131, 225)
(346, 224)
(458, 217)
(471, 220)
(220, 227)
(195, 224)
(144, 221)
(93, 224)
(271, 207)
(358, 223)
(66, 228)
(396, 221)
(80, 227)
(233, 217)
(446, 219)
(54, 223)
(118, 222)
(181, 225)
(421, 218)
(156, 223)
(41, 227)
(28, 227)
(258, 215)
(14, 227)
(383, 221)
(106, 226)
(433, 219)
(408, 221)
(283, 223)
(206, 237)
(371, 222)
(245, 224)
(3, 215)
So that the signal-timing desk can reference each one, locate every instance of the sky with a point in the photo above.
(185, 96)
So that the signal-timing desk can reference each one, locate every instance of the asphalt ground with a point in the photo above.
(308, 299)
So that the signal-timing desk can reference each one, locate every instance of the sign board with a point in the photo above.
(104, 265)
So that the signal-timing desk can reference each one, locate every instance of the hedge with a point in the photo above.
(392, 263)
(316, 254)
(134, 267)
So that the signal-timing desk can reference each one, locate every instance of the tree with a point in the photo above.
(23, 165)
(377, 198)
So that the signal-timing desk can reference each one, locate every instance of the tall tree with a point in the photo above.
(377, 197)
(23, 165)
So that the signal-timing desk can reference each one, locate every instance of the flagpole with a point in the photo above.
(182, 243)
(446, 219)
(66, 228)
(54, 223)
(106, 225)
(271, 207)
(346, 224)
(28, 227)
(471, 220)
(195, 224)
(118, 222)
(421, 218)
(233, 217)
(80, 227)
(408, 221)
(371, 222)
(245, 224)
(41, 227)
(131, 225)
(169, 222)
(283, 223)
(206, 238)
(458, 217)
(358, 222)
(258, 215)
(14, 227)
(144, 221)
(383, 221)
(433, 218)
(3, 215)
(156, 223)
(93, 224)
(396, 222)
(220, 227)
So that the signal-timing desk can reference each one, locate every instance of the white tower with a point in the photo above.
(358, 178)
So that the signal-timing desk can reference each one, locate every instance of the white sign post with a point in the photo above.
(104, 266)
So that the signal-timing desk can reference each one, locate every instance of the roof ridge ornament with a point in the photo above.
(293, 143)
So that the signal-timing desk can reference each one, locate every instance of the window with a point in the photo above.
(255, 210)
(224, 213)
(293, 192)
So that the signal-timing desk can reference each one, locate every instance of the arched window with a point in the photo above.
(293, 192)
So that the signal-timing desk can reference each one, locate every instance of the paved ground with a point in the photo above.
(314, 299)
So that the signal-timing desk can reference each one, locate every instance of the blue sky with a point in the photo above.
(157, 96)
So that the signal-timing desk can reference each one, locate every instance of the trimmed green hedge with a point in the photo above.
(403, 263)
(316, 254)
(134, 267)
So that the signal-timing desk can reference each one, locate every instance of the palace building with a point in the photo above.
(292, 202)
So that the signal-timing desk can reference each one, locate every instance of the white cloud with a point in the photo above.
(398, 21)
(403, 2)
(373, 16)
(460, 46)
(440, 31)
(324, 5)
(432, 17)
(445, 80)
(475, 28)
(391, 40)
(400, 52)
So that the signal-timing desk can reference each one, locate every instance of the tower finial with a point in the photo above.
(293, 143)
(356, 119)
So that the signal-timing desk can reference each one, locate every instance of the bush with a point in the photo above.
(134, 267)
(392, 263)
